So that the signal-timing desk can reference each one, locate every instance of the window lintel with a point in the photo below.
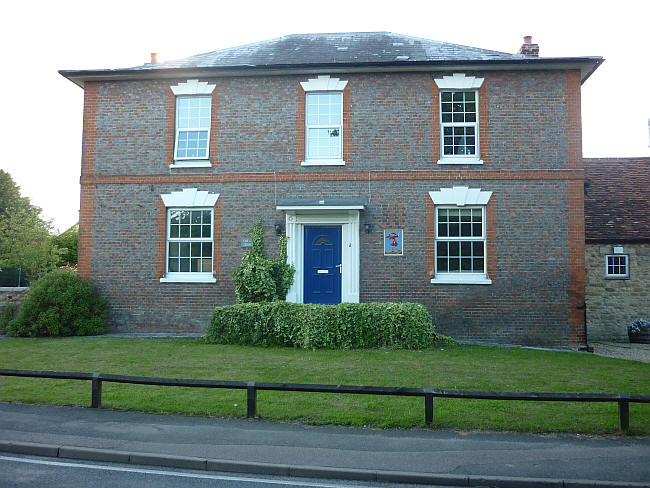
(459, 81)
(190, 197)
(460, 196)
(193, 87)
(323, 83)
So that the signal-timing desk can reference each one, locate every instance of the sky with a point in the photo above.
(42, 122)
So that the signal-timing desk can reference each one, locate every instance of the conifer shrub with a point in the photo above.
(310, 326)
(60, 304)
(260, 279)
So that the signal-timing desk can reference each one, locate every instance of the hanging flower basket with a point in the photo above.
(639, 331)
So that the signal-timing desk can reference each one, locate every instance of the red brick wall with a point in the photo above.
(529, 142)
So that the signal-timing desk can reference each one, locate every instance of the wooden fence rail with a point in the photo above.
(252, 387)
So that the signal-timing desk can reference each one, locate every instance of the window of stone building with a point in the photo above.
(616, 266)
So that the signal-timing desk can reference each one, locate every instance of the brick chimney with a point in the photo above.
(528, 48)
(154, 58)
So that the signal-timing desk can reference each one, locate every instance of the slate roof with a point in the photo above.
(339, 48)
(334, 51)
(617, 199)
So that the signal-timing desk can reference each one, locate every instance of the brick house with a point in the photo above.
(617, 234)
(400, 168)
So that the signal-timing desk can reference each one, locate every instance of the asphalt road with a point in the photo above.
(299, 447)
(18, 471)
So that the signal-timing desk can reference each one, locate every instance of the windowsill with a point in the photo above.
(194, 163)
(460, 161)
(188, 278)
(322, 162)
(461, 279)
(614, 277)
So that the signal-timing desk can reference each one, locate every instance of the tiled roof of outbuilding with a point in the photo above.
(617, 202)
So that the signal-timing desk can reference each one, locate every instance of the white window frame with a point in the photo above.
(459, 82)
(461, 197)
(188, 199)
(190, 89)
(321, 85)
(623, 276)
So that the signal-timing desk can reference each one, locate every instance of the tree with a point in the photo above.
(68, 243)
(26, 243)
(260, 279)
(10, 196)
(25, 238)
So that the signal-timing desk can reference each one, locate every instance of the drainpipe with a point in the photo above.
(586, 347)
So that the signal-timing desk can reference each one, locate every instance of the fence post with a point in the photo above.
(96, 400)
(251, 399)
(623, 415)
(428, 406)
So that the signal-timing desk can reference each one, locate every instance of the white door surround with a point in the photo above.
(295, 226)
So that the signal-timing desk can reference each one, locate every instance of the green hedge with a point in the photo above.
(343, 326)
(59, 304)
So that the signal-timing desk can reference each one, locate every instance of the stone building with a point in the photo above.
(400, 168)
(617, 251)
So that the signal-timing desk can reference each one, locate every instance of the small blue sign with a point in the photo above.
(393, 242)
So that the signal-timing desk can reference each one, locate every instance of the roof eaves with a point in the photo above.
(587, 66)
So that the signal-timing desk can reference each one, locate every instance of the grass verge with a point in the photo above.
(461, 367)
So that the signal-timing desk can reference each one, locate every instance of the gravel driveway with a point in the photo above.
(622, 350)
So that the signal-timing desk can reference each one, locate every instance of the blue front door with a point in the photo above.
(322, 264)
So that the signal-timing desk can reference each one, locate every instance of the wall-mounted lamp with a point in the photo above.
(278, 228)
(368, 227)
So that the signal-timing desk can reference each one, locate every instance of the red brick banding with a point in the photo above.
(576, 261)
(347, 132)
(435, 123)
(170, 119)
(161, 247)
(217, 240)
(484, 124)
(300, 123)
(576, 212)
(491, 238)
(214, 127)
(87, 203)
(86, 214)
(283, 176)
(430, 238)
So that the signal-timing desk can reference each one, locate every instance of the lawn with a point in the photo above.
(461, 367)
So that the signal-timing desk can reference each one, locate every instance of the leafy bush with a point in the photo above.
(260, 279)
(7, 313)
(59, 304)
(343, 326)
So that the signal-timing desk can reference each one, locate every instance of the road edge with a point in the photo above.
(208, 464)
